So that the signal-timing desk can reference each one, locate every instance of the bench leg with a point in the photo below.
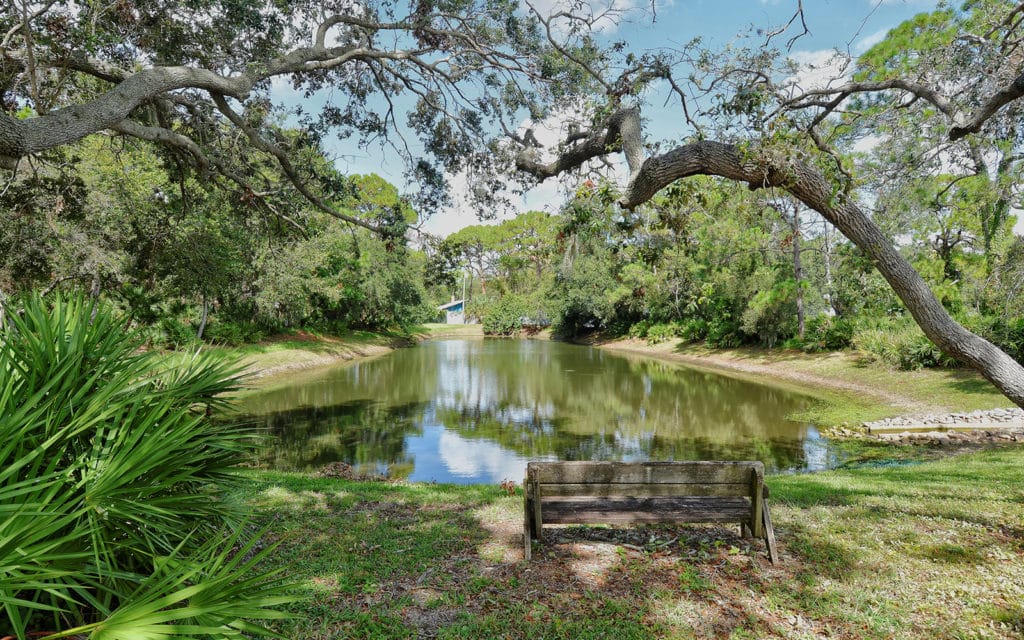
(527, 529)
(769, 533)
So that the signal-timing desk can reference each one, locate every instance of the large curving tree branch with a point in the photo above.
(173, 139)
(19, 138)
(621, 132)
(963, 124)
(808, 185)
(997, 101)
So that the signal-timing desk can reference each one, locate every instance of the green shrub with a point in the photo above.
(111, 522)
(175, 334)
(920, 352)
(233, 334)
(662, 332)
(1005, 333)
(724, 333)
(639, 329)
(693, 329)
(899, 343)
(505, 317)
(825, 333)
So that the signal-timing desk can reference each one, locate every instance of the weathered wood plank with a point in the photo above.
(527, 524)
(640, 490)
(537, 524)
(645, 510)
(645, 472)
(769, 530)
(756, 489)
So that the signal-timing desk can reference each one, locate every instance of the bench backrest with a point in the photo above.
(646, 479)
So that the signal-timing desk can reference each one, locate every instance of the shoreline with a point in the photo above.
(870, 408)
(266, 363)
(851, 398)
(725, 361)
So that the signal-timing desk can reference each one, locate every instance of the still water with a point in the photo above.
(475, 411)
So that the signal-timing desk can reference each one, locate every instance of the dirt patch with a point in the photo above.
(344, 471)
(303, 360)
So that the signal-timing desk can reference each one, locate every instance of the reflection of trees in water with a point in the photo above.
(361, 433)
(537, 399)
(600, 391)
(515, 429)
(541, 438)
(402, 377)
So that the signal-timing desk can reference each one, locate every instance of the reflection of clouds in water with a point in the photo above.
(816, 451)
(476, 411)
(465, 381)
(633, 447)
(478, 459)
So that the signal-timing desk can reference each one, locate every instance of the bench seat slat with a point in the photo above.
(645, 473)
(642, 490)
(623, 510)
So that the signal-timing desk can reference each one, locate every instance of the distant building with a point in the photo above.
(455, 312)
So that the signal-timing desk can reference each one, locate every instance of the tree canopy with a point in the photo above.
(194, 76)
(462, 75)
(752, 124)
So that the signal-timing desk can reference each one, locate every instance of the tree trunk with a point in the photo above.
(798, 275)
(94, 293)
(203, 318)
(829, 285)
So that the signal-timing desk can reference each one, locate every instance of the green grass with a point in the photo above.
(921, 549)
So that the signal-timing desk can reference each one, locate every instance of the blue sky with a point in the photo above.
(848, 25)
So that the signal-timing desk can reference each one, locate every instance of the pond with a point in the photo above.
(475, 411)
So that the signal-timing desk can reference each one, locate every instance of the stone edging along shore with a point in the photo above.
(993, 425)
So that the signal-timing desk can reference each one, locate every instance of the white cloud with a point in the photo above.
(461, 213)
(474, 458)
(869, 41)
(819, 69)
(866, 144)
(602, 16)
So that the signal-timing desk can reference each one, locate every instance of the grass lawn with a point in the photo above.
(913, 549)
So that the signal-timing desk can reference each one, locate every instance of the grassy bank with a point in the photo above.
(850, 390)
(271, 359)
(921, 550)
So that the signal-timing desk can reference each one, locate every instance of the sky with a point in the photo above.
(847, 25)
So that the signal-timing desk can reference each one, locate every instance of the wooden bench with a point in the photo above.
(646, 492)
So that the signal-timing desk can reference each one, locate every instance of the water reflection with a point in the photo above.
(478, 410)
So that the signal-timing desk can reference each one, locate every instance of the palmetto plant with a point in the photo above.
(111, 474)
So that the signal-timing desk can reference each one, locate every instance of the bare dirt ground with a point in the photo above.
(259, 367)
